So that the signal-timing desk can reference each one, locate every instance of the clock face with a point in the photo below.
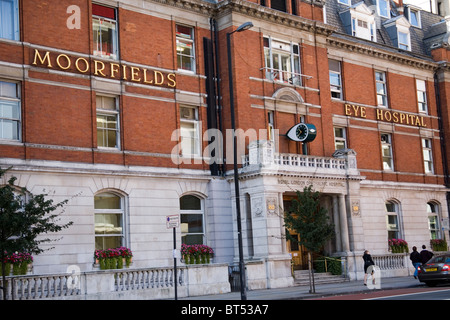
(302, 132)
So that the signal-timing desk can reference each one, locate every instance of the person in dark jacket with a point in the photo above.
(416, 260)
(367, 263)
(425, 254)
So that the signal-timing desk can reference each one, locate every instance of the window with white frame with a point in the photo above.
(364, 29)
(386, 151)
(340, 140)
(192, 220)
(185, 48)
(380, 82)
(282, 61)
(383, 8)
(433, 220)
(335, 78)
(427, 155)
(109, 220)
(190, 131)
(414, 17)
(107, 122)
(404, 41)
(422, 95)
(270, 126)
(10, 111)
(104, 25)
(9, 19)
(393, 220)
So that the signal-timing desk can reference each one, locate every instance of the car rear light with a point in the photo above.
(419, 269)
(445, 268)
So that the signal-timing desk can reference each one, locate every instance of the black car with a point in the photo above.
(436, 270)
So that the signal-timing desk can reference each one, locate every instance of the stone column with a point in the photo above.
(337, 225)
(344, 223)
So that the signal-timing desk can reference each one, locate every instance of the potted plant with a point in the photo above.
(438, 245)
(113, 258)
(398, 245)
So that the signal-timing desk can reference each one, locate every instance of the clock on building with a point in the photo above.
(303, 132)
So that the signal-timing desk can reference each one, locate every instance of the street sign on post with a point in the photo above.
(173, 222)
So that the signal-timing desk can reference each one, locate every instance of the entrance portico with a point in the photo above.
(267, 180)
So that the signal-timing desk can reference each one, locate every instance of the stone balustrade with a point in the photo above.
(143, 283)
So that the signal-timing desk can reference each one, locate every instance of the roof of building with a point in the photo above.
(433, 32)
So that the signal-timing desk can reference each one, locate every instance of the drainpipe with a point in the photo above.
(442, 139)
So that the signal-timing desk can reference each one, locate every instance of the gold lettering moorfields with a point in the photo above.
(104, 69)
(385, 115)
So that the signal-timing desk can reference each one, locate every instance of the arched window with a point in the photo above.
(192, 220)
(393, 220)
(109, 220)
(433, 220)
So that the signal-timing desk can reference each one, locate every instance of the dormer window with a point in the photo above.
(346, 2)
(359, 21)
(403, 41)
(414, 18)
(383, 8)
(398, 30)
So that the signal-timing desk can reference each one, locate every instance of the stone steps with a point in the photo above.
(301, 278)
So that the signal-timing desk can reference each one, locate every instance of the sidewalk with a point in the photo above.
(302, 292)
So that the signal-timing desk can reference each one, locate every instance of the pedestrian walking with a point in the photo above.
(425, 254)
(367, 263)
(416, 260)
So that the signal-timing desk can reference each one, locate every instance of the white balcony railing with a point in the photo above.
(262, 155)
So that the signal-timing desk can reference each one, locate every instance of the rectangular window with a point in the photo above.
(107, 122)
(190, 131)
(335, 78)
(383, 8)
(10, 112)
(414, 17)
(282, 61)
(386, 151)
(403, 41)
(427, 155)
(433, 220)
(422, 96)
(347, 2)
(270, 126)
(108, 221)
(380, 79)
(104, 25)
(185, 48)
(392, 220)
(9, 19)
(340, 141)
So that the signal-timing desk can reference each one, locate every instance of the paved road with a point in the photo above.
(416, 293)
(431, 294)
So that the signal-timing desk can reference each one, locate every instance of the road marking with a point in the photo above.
(408, 294)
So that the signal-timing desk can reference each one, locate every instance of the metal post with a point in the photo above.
(175, 263)
(236, 176)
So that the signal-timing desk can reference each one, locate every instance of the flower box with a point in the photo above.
(196, 253)
(115, 258)
(398, 246)
(17, 264)
(438, 245)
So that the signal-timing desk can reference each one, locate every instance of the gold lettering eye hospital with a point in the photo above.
(105, 69)
(385, 115)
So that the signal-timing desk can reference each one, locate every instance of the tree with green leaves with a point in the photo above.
(307, 218)
(25, 219)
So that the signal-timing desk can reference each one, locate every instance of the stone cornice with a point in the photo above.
(366, 49)
(281, 18)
